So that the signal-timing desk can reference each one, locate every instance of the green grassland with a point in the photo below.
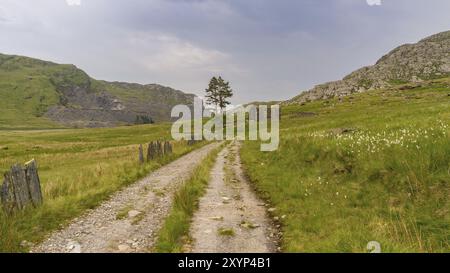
(78, 169)
(374, 166)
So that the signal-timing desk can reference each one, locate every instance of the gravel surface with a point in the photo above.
(231, 218)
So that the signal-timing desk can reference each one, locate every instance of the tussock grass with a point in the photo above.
(78, 170)
(387, 179)
(173, 234)
(226, 232)
(123, 213)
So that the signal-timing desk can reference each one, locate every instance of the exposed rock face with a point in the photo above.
(427, 59)
(138, 104)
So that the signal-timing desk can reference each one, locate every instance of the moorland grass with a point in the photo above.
(78, 170)
(372, 167)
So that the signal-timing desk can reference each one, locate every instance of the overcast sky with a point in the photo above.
(267, 49)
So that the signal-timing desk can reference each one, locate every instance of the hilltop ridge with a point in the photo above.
(408, 63)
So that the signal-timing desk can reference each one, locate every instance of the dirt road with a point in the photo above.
(231, 219)
(129, 220)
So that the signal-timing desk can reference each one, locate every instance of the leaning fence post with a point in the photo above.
(8, 198)
(34, 183)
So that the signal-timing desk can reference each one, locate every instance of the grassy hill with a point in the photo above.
(373, 166)
(39, 94)
(26, 92)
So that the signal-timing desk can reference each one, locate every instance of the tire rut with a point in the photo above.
(231, 218)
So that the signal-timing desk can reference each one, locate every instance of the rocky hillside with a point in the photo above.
(37, 93)
(410, 63)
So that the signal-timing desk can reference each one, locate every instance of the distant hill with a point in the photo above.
(257, 103)
(410, 63)
(41, 94)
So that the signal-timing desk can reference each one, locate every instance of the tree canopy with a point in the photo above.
(218, 93)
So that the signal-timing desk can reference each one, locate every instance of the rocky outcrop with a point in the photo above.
(425, 60)
(138, 104)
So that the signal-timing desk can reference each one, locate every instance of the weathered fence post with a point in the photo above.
(21, 188)
(150, 151)
(161, 148)
(141, 154)
(158, 149)
(34, 184)
(167, 148)
(8, 196)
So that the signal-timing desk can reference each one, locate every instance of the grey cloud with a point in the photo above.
(267, 49)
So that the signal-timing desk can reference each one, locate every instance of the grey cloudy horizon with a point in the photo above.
(268, 50)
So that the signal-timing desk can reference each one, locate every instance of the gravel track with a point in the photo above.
(231, 218)
(129, 220)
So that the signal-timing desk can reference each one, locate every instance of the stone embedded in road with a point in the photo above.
(133, 213)
(73, 247)
(124, 248)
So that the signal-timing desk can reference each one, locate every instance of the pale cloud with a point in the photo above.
(4, 18)
(73, 2)
(170, 60)
(374, 2)
(169, 53)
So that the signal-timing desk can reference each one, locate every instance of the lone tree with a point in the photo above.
(212, 93)
(218, 93)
